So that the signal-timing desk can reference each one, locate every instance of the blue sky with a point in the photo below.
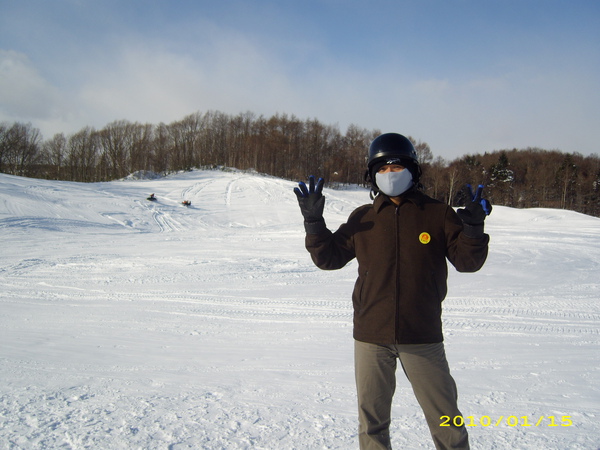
(465, 76)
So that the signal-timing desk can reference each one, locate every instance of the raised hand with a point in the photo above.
(311, 199)
(476, 209)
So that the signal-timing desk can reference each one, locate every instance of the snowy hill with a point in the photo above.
(129, 324)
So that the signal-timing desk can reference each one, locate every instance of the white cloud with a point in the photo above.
(149, 80)
(150, 83)
(24, 93)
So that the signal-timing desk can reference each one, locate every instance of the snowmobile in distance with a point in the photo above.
(152, 198)
(186, 203)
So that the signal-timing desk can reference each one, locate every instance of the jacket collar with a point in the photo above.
(412, 195)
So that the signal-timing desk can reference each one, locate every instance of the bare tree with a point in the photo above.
(436, 180)
(424, 154)
(115, 145)
(20, 149)
(55, 154)
(566, 180)
(82, 149)
(4, 145)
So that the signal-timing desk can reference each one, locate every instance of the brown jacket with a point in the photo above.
(402, 270)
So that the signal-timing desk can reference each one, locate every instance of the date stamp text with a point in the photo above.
(511, 421)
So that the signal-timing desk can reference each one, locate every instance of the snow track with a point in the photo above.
(134, 324)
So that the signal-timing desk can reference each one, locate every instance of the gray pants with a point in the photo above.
(426, 368)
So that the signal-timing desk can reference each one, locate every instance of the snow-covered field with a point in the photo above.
(129, 324)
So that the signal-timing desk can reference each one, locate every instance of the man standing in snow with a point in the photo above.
(401, 242)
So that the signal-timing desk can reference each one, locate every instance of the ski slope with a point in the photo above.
(129, 324)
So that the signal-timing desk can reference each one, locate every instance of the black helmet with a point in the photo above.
(392, 147)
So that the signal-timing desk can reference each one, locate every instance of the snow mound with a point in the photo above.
(142, 175)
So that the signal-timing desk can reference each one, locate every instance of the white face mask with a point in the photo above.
(394, 183)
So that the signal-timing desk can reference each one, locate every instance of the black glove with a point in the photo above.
(474, 212)
(311, 203)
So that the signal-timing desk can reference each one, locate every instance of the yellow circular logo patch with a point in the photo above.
(424, 238)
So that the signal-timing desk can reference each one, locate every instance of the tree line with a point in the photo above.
(287, 147)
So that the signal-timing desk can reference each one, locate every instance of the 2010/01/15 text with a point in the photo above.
(511, 421)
